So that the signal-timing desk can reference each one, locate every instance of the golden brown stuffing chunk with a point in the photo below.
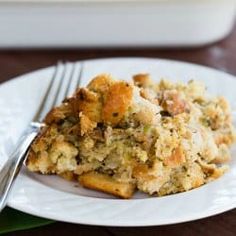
(173, 103)
(142, 80)
(117, 102)
(101, 83)
(89, 103)
(106, 184)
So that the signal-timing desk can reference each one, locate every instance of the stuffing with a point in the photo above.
(87, 102)
(86, 125)
(117, 102)
(142, 80)
(101, 83)
(117, 137)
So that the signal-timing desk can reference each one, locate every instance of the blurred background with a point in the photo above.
(114, 23)
(38, 33)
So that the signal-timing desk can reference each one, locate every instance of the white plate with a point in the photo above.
(54, 198)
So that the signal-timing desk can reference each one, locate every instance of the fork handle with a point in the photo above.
(12, 167)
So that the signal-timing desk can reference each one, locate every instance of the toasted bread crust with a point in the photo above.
(42, 164)
(176, 159)
(68, 175)
(89, 103)
(117, 102)
(174, 104)
(104, 183)
(86, 125)
(101, 83)
(59, 113)
(142, 80)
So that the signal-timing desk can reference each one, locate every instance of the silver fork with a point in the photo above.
(65, 79)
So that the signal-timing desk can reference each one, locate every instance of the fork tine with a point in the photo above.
(71, 80)
(46, 102)
(80, 75)
(67, 90)
(64, 81)
(75, 78)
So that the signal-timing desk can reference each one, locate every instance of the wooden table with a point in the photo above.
(221, 55)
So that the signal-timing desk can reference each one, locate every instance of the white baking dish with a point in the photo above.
(90, 23)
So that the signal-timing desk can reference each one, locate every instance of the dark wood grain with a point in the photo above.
(221, 55)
